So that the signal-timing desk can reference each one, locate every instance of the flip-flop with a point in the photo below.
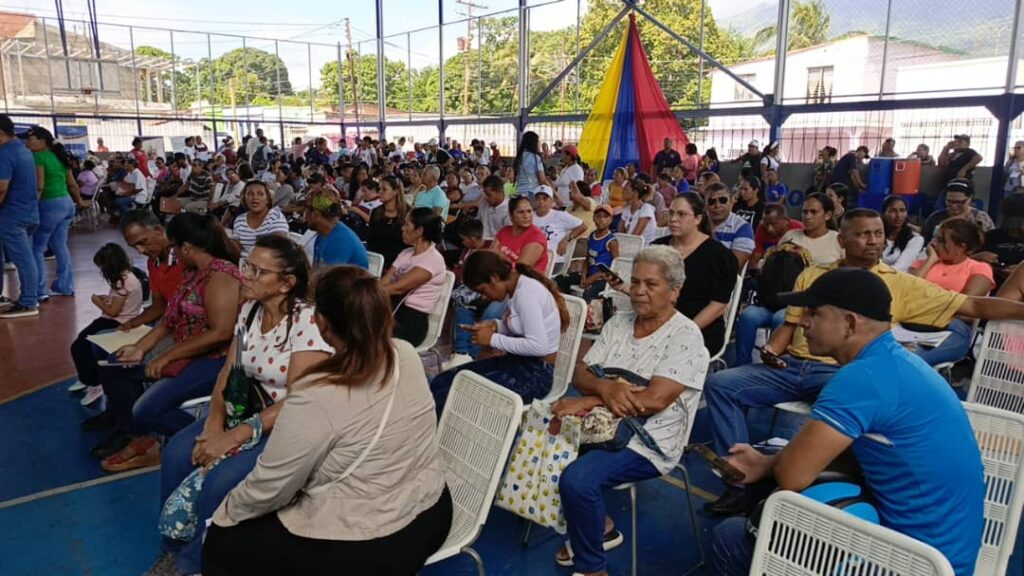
(612, 540)
(140, 453)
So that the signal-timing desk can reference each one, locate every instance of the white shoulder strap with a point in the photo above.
(373, 441)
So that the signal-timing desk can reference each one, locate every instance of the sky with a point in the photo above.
(314, 21)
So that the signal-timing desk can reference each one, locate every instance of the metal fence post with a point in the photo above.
(135, 82)
(280, 112)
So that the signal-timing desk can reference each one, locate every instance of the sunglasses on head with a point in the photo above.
(718, 200)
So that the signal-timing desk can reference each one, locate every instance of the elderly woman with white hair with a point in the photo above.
(432, 196)
(661, 361)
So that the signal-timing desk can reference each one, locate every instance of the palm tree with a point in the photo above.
(808, 26)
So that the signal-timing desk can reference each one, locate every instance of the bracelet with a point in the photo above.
(256, 423)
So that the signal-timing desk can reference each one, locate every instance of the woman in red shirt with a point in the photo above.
(522, 242)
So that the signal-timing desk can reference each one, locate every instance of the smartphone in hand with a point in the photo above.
(607, 271)
(729, 473)
(771, 360)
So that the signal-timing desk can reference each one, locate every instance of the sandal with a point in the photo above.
(612, 540)
(140, 453)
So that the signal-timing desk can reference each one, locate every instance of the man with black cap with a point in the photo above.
(958, 159)
(905, 426)
(19, 218)
(792, 371)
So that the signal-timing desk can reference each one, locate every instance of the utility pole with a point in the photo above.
(468, 13)
(352, 72)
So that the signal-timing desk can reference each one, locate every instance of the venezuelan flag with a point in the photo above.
(631, 117)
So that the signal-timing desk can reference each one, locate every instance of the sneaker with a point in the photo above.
(78, 385)
(92, 394)
(5, 302)
(43, 298)
(19, 311)
(456, 360)
(10, 266)
(49, 255)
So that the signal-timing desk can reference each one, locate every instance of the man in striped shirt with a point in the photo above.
(732, 231)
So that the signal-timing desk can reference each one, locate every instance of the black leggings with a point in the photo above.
(264, 546)
(81, 350)
(411, 325)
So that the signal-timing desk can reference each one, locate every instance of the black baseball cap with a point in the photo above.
(6, 125)
(854, 289)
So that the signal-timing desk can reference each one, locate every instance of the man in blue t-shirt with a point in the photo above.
(19, 218)
(906, 428)
(433, 197)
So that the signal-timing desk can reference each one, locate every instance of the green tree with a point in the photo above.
(808, 26)
(395, 77)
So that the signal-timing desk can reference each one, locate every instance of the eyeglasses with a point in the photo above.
(719, 200)
(250, 270)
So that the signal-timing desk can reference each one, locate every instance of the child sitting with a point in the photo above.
(122, 303)
(602, 248)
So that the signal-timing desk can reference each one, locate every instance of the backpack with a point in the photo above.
(782, 265)
(144, 280)
(259, 158)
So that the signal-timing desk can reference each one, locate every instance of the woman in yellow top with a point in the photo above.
(616, 198)
(57, 186)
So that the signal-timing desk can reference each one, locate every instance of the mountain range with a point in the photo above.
(977, 30)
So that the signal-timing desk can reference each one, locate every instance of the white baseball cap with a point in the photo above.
(493, 144)
(432, 142)
(544, 189)
(754, 143)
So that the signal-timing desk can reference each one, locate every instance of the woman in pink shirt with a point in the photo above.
(522, 242)
(417, 275)
(950, 266)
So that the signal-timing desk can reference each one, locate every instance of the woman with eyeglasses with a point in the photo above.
(182, 355)
(281, 341)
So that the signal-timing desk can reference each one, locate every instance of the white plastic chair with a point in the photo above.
(661, 232)
(629, 244)
(731, 309)
(562, 267)
(474, 438)
(218, 192)
(568, 348)
(798, 536)
(1000, 436)
(620, 301)
(550, 268)
(631, 488)
(375, 263)
(998, 379)
(436, 318)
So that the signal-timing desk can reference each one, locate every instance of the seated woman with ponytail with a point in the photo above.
(181, 356)
(528, 335)
(280, 342)
(416, 277)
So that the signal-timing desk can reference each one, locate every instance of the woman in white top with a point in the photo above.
(638, 217)
(664, 348)
(417, 275)
(350, 482)
(817, 237)
(527, 336)
(281, 342)
(260, 218)
(902, 243)
(769, 160)
(571, 173)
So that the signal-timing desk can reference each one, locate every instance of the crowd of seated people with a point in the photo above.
(330, 344)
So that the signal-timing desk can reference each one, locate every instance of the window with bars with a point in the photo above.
(819, 85)
(740, 93)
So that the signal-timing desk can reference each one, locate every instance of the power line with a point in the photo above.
(51, 13)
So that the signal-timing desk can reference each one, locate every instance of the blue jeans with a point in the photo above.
(463, 315)
(16, 236)
(138, 410)
(176, 464)
(582, 486)
(751, 319)
(528, 376)
(124, 204)
(55, 217)
(730, 393)
(953, 349)
(732, 547)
